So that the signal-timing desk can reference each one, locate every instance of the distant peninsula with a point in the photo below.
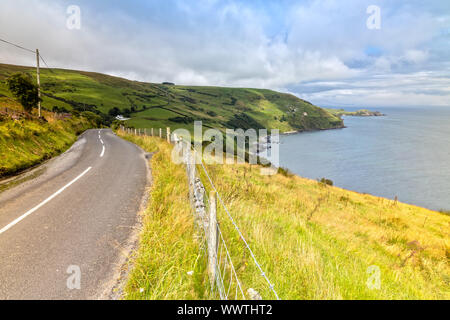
(358, 113)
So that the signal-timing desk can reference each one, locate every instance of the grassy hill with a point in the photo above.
(26, 140)
(158, 105)
(314, 241)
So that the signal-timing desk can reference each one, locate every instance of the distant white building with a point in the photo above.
(121, 118)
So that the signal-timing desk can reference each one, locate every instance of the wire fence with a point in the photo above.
(225, 281)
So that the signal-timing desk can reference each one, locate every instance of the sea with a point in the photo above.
(405, 154)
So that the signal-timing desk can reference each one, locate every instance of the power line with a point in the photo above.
(16, 45)
(42, 58)
(38, 58)
(29, 50)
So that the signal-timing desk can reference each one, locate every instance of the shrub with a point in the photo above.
(26, 92)
(59, 109)
(185, 120)
(243, 121)
(326, 182)
(285, 172)
(114, 112)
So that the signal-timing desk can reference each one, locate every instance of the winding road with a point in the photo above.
(66, 230)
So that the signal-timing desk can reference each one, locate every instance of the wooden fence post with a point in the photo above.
(160, 132)
(152, 132)
(191, 174)
(168, 134)
(212, 237)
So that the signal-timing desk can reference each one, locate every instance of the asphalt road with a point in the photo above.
(80, 214)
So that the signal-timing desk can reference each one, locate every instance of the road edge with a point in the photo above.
(113, 289)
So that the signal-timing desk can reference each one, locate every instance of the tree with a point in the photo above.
(25, 91)
(114, 112)
(126, 112)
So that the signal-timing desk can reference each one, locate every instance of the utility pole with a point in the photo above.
(38, 82)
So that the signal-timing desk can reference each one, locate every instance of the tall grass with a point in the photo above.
(314, 241)
(27, 142)
(170, 262)
(317, 241)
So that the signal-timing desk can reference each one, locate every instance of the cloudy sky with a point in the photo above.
(319, 50)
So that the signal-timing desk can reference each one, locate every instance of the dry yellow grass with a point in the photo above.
(317, 241)
(314, 241)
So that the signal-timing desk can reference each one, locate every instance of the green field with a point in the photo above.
(157, 105)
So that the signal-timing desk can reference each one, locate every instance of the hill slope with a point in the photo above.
(158, 105)
(26, 140)
(314, 241)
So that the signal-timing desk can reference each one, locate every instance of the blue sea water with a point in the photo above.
(404, 154)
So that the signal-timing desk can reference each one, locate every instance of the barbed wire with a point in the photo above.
(263, 274)
(223, 292)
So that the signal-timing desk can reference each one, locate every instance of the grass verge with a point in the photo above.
(25, 143)
(170, 263)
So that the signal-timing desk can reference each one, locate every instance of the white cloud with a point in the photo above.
(318, 44)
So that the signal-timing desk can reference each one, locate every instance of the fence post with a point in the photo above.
(145, 131)
(191, 173)
(212, 237)
(160, 132)
(168, 134)
(152, 132)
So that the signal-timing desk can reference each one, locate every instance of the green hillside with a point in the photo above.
(27, 141)
(157, 105)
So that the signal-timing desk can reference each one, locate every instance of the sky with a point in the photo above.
(323, 51)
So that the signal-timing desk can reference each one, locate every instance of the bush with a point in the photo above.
(243, 121)
(326, 182)
(93, 118)
(285, 172)
(185, 120)
(26, 92)
(114, 112)
(57, 109)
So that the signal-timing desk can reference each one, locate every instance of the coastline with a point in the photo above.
(263, 141)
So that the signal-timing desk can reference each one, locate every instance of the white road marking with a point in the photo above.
(101, 141)
(43, 202)
(103, 152)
